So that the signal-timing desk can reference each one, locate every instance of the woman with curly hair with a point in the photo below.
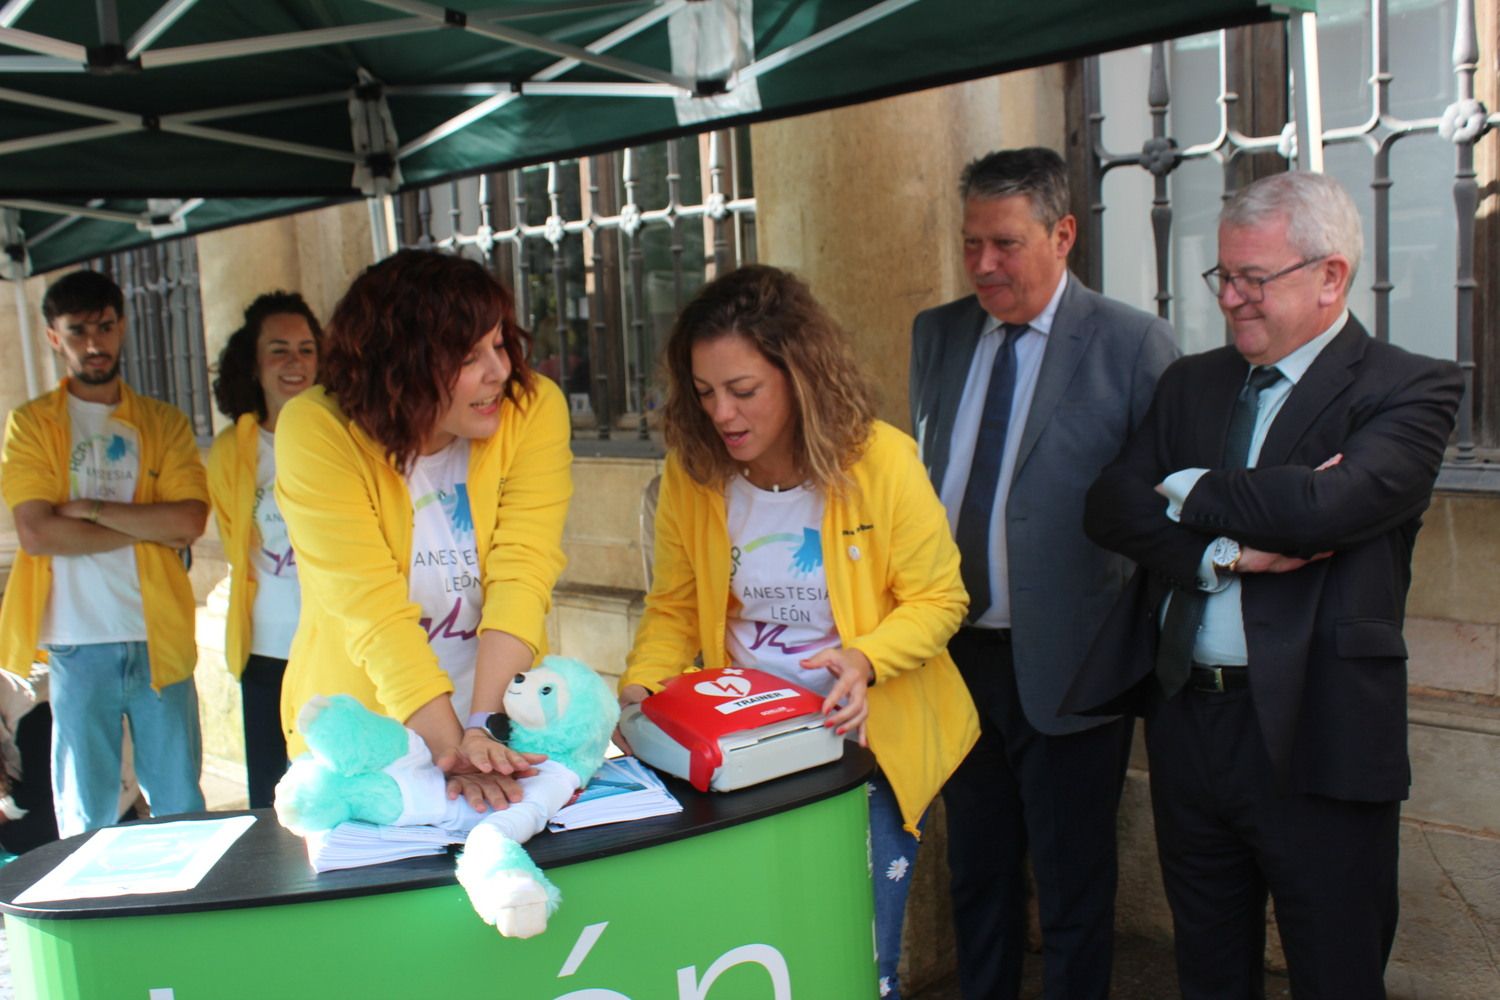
(424, 485)
(271, 358)
(797, 534)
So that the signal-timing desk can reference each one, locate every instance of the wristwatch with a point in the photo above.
(1224, 554)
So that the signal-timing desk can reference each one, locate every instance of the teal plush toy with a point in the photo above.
(367, 767)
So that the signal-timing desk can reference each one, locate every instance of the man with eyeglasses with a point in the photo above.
(1272, 496)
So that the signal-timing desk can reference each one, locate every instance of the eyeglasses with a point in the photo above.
(1250, 287)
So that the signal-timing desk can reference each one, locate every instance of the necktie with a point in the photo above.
(974, 514)
(1179, 629)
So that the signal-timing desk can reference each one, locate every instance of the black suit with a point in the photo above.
(1293, 786)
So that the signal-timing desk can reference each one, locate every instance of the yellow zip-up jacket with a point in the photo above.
(349, 516)
(896, 596)
(34, 466)
(233, 462)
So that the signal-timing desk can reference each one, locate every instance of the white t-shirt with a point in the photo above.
(779, 612)
(278, 595)
(97, 598)
(445, 564)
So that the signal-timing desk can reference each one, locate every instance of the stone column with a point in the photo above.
(317, 254)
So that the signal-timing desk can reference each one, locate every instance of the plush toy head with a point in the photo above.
(563, 709)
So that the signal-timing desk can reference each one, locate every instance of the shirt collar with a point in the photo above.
(1296, 364)
(1043, 322)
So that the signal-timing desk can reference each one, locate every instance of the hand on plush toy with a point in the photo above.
(485, 771)
(480, 751)
(362, 766)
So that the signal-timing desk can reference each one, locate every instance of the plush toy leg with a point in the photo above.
(505, 886)
(310, 798)
(359, 766)
(347, 737)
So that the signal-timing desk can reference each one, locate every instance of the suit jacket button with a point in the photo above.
(854, 552)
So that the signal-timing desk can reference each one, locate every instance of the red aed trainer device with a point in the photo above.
(729, 728)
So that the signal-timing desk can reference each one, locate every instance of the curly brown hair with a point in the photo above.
(775, 311)
(396, 341)
(236, 385)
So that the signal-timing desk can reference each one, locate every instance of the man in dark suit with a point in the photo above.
(1020, 394)
(1272, 496)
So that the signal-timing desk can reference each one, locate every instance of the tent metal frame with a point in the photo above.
(637, 81)
(376, 153)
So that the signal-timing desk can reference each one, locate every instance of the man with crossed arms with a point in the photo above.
(106, 488)
(1272, 497)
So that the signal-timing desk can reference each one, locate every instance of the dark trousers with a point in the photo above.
(1054, 796)
(1226, 839)
(265, 743)
(33, 791)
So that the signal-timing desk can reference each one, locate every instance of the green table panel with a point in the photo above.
(768, 907)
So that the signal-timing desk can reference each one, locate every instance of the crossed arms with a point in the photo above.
(1391, 440)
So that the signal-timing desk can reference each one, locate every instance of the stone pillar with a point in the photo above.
(315, 253)
(13, 390)
(863, 203)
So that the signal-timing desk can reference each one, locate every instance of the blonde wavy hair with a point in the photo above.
(775, 311)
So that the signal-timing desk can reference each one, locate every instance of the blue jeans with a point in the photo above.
(893, 852)
(92, 687)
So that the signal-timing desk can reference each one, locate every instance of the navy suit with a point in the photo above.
(1040, 781)
(1292, 786)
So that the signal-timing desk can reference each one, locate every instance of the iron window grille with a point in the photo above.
(602, 252)
(165, 356)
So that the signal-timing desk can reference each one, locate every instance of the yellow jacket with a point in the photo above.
(34, 466)
(349, 516)
(232, 466)
(896, 596)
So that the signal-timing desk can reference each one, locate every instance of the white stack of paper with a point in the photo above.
(355, 844)
(622, 789)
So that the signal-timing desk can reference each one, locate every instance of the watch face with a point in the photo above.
(1225, 552)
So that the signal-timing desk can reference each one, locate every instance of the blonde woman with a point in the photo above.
(797, 534)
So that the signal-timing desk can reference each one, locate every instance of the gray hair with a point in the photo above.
(1038, 173)
(1320, 215)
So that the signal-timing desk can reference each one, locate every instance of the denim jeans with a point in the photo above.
(893, 851)
(92, 687)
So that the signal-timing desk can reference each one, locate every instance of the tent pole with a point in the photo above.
(382, 224)
(1308, 91)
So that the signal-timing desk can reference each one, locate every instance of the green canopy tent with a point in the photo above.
(122, 121)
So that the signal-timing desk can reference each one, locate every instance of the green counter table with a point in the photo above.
(761, 894)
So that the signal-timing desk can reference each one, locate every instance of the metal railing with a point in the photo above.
(1464, 123)
(602, 252)
(164, 355)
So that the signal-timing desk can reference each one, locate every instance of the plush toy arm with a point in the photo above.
(545, 792)
(504, 884)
